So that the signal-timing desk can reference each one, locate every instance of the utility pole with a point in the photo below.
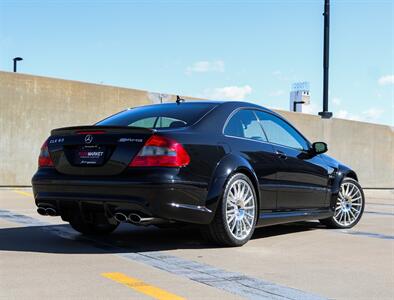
(325, 114)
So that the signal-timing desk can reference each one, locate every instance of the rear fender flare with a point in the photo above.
(227, 166)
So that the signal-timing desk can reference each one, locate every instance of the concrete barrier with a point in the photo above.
(30, 106)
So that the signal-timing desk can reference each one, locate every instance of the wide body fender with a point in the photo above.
(227, 166)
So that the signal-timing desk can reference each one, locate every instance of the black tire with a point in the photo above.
(218, 231)
(332, 222)
(92, 228)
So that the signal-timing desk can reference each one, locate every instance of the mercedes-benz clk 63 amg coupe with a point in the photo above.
(226, 166)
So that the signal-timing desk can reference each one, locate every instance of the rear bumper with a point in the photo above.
(157, 196)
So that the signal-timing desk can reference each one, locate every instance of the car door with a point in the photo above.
(302, 178)
(247, 139)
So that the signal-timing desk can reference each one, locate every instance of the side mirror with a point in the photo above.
(319, 148)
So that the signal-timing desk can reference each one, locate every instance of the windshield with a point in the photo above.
(159, 116)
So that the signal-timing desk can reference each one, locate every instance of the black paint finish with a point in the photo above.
(291, 184)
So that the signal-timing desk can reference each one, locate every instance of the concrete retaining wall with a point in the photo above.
(30, 106)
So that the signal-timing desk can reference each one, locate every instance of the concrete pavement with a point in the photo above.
(43, 258)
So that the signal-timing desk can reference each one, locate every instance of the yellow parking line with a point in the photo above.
(24, 193)
(142, 287)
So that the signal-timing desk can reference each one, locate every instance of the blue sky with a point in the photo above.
(252, 50)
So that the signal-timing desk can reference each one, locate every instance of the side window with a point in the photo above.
(280, 132)
(145, 123)
(245, 124)
(165, 122)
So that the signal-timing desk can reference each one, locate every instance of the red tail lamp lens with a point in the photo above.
(160, 151)
(45, 160)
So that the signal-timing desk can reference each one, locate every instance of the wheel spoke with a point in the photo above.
(238, 190)
(247, 222)
(249, 215)
(248, 200)
(230, 213)
(233, 225)
(355, 210)
(356, 192)
(241, 191)
(355, 199)
(238, 228)
(351, 189)
(346, 189)
(350, 212)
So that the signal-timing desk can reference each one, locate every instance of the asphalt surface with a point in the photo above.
(43, 258)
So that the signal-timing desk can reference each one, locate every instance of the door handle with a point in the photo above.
(281, 154)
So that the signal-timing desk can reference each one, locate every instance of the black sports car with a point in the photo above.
(227, 166)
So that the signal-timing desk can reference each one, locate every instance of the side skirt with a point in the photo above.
(280, 217)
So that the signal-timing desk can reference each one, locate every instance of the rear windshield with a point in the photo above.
(160, 116)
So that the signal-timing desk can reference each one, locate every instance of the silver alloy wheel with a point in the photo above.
(349, 204)
(240, 209)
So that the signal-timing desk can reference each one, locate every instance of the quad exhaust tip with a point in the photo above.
(42, 211)
(132, 218)
(50, 212)
(120, 217)
(46, 211)
(137, 219)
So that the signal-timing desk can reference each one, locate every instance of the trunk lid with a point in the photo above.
(95, 150)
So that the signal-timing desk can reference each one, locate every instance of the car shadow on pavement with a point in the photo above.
(126, 239)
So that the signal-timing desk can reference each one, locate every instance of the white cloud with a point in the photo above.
(205, 66)
(386, 80)
(344, 114)
(312, 109)
(337, 101)
(276, 93)
(373, 114)
(277, 73)
(229, 92)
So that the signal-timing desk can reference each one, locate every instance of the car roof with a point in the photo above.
(221, 104)
(232, 103)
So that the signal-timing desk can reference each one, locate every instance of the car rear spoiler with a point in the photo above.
(97, 129)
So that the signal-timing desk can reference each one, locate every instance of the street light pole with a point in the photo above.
(16, 59)
(325, 114)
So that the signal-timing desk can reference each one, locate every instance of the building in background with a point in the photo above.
(299, 96)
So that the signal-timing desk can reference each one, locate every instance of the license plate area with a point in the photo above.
(92, 155)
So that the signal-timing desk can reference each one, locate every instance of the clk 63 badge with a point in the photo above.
(54, 141)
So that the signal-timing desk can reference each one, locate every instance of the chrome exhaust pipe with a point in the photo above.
(137, 219)
(120, 217)
(42, 211)
(50, 211)
(134, 218)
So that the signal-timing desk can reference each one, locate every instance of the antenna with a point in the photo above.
(179, 99)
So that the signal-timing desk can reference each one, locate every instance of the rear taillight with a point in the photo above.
(160, 151)
(45, 160)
